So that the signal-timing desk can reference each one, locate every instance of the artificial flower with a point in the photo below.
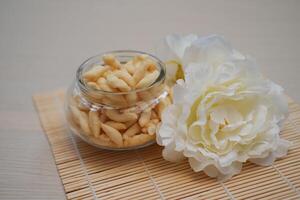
(224, 113)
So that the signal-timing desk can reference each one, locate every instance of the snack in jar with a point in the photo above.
(117, 99)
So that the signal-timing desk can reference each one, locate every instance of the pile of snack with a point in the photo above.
(129, 120)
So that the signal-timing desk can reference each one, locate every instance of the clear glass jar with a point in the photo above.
(122, 111)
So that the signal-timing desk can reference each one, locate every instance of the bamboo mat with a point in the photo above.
(90, 173)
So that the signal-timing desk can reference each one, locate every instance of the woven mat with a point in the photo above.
(90, 173)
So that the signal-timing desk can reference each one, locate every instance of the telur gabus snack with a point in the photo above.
(117, 100)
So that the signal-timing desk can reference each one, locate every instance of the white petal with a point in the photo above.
(171, 155)
(260, 117)
(213, 49)
(218, 115)
(178, 44)
(170, 114)
(282, 149)
(228, 159)
(198, 165)
(194, 133)
(268, 160)
(179, 91)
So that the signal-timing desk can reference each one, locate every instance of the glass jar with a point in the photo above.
(116, 120)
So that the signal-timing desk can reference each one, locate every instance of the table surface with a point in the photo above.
(43, 42)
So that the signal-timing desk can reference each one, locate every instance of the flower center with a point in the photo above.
(179, 72)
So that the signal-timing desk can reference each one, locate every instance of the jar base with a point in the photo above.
(88, 141)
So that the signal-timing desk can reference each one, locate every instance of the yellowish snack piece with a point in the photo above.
(139, 139)
(93, 85)
(150, 65)
(111, 60)
(94, 73)
(145, 95)
(102, 82)
(151, 129)
(144, 130)
(126, 142)
(117, 83)
(137, 63)
(120, 117)
(125, 76)
(97, 96)
(104, 137)
(130, 67)
(75, 113)
(103, 140)
(153, 115)
(129, 110)
(139, 72)
(113, 134)
(145, 117)
(148, 79)
(131, 98)
(116, 100)
(134, 129)
(94, 122)
(155, 121)
(75, 101)
(125, 137)
(84, 122)
(140, 58)
(116, 125)
(103, 117)
(106, 101)
(130, 123)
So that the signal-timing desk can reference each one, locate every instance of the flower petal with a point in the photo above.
(170, 154)
(178, 44)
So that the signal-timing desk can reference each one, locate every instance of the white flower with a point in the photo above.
(224, 113)
(172, 51)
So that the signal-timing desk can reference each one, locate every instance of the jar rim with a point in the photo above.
(84, 87)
